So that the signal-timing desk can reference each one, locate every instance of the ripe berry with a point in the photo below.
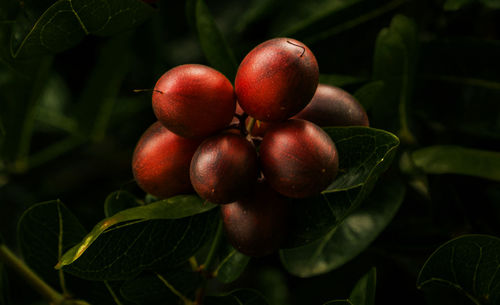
(224, 168)
(332, 106)
(276, 79)
(257, 225)
(298, 158)
(161, 159)
(194, 100)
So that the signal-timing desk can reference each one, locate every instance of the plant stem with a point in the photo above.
(11, 260)
(215, 245)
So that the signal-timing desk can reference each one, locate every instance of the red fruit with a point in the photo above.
(194, 100)
(276, 79)
(298, 158)
(224, 168)
(257, 225)
(332, 106)
(161, 162)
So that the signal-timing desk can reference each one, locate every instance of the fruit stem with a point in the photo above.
(250, 125)
(11, 260)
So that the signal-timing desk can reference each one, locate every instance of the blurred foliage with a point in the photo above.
(426, 71)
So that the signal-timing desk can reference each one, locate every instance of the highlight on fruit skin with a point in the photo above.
(257, 225)
(333, 106)
(161, 161)
(298, 158)
(276, 79)
(194, 100)
(224, 168)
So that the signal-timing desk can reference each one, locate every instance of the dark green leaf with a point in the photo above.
(45, 231)
(125, 249)
(395, 63)
(119, 201)
(213, 44)
(161, 288)
(339, 302)
(364, 154)
(4, 285)
(232, 264)
(469, 263)
(237, 297)
(369, 94)
(340, 80)
(176, 207)
(65, 23)
(257, 10)
(20, 94)
(453, 5)
(101, 90)
(363, 292)
(443, 159)
(349, 237)
(312, 23)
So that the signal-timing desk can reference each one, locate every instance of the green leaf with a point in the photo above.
(314, 23)
(45, 231)
(454, 5)
(65, 23)
(119, 201)
(237, 297)
(364, 154)
(340, 80)
(137, 246)
(349, 237)
(161, 288)
(232, 264)
(369, 94)
(363, 292)
(444, 159)
(4, 284)
(394, 63)
(469, 263)
(4, 287)
(18, 108)
(339, 302)
(96, 103)
(122, 228)
(213, 44)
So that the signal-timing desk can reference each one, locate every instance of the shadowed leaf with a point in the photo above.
(443, 159)
(470, 264)
(144, 220)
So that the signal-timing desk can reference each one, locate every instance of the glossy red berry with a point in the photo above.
(224, 168)
(276, 79)
(257, 225)
(194, 100)
(161, 160)
(298, 158)
(332, 106)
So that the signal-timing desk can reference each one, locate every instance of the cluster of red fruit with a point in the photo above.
(206, 138)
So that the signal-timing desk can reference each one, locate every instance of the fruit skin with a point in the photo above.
(194, 100)
(276, 79)
(257, 225)
(298, 158)
(161, 160)
(332, 106)
(224, 168)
